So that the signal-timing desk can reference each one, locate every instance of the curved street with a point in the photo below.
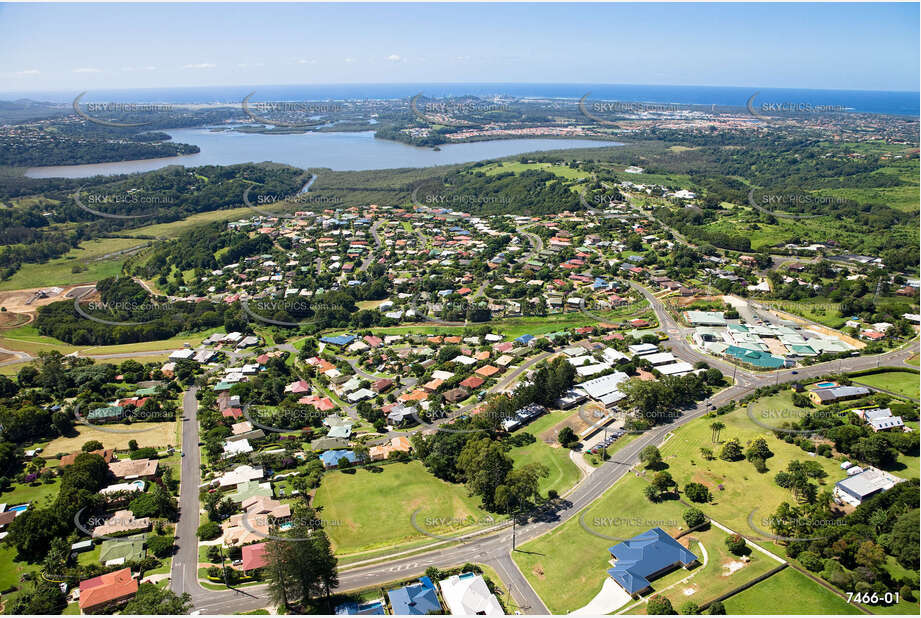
(494, 547)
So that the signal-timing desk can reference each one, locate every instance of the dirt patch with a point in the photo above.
(28, 300)
(732, 566)
(689, 591)
(538, 571)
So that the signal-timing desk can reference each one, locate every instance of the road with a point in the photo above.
(493, 548)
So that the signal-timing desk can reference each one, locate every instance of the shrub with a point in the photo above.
(716, 609)
(697, 492)
(689, 608)
(160, 546)
(659, 606)
(694, 517)
(209, 530)
(811, 561)
(736, 544)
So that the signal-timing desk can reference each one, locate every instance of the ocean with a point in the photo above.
(865, 101)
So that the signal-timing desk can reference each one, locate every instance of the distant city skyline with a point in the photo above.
(75, 47)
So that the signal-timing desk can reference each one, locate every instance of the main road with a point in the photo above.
(494, 547)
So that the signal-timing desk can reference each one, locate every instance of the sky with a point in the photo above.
(74, 47)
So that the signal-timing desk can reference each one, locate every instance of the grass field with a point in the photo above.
(563, 472)
(901, 382)
(27, 339)
(743, 488)
(567, 566)
(91, 255)
(722, 572)
(504, 167)
(373, 509)
(788, 592)
(147, 434)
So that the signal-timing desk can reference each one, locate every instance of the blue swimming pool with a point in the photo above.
(826, 384)
(19, 507)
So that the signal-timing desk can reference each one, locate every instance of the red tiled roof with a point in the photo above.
(254, 556)
(108, 588)
(473, 382)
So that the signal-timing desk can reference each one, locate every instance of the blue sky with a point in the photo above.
(834, 46)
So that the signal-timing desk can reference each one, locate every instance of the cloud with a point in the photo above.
(463, 58)
(87, 70)
(246, 65)
(28, 72)
(349, 60)
(132, 69)
(202, 65)
(394, 58)
(303, 61)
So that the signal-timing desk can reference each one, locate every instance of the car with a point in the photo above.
(236, 562)
(182, 454)
(794, 373)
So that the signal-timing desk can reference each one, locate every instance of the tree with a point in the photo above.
(811, 561)
(650, 456)
(301, 567)
(706, 453)
(567, 437)
(715, 428)
(716, 609)
(731, 451)
(160, 546)
(209, 530)
(41, 598)
(697, 492)
(659, 606)
(152, 600)
(758, 449)
(689, 608)
(694, 517)
(485, 466)
(870, 555)
(736, 544)
(663, 482)
(651, 493)
(91, 445)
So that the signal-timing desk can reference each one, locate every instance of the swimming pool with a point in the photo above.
(19, 507)
(826, 384)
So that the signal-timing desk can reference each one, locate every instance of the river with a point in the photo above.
(338, 151)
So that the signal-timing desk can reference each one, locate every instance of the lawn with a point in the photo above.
(504, 167)
(27, 339)
(94, 256)
(36, 494)
(367, 510)
(743, 488)
(901, 382)
(567, 566)
(147, 434)
(563, 472)
(722, 572)
(788, 592)
(914, 360)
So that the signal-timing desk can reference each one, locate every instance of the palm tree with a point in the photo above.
(716, 427)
